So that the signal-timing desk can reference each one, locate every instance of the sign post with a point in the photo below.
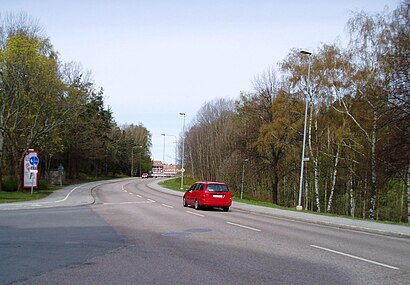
(30, 169)
(61, 173)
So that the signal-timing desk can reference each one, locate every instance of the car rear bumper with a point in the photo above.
(215, 202)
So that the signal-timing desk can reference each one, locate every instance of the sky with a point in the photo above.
(157, 58)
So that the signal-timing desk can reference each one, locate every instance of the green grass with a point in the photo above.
(175, 184)
(13, 196)
(263, 203)
(10, 197)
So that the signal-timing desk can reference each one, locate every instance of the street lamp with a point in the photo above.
(183, 153)
(243, 174)
(299, 207)
(132, 159)
(163, 151)
(176, 142)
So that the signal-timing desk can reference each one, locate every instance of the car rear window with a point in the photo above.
(217, 188)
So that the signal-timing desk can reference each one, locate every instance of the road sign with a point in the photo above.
(30, 169)
(182, 170)
(34, 160)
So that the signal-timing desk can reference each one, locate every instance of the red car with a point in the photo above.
(208, 194)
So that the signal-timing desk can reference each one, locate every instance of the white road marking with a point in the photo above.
(168, 206)
(242, 226)
(355, 257)
(139, 196)
(196, 214)
(152, 201)
(58, 201)
(124, 203)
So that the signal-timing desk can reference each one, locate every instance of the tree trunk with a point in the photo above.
(373, 189)
(352, 200)
(332, 190)
(315, 159)
(1, 158)
(275, 183)
(408, 194)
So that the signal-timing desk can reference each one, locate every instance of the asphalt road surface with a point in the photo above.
(136, 234)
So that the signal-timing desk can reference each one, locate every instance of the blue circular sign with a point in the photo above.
(34, 160)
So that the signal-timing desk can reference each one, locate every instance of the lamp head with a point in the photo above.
(305, 52)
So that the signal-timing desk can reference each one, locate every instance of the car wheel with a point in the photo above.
(184, 202)
(197, 207)
(225, 209)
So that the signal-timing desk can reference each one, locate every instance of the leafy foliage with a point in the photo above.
(56, 109)
(358, 126)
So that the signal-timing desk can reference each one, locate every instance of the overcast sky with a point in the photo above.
(157, 58)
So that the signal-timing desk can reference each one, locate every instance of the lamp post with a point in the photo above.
(183, 152)
(299, 207)
(243, 175)
(132, 159)
(163, 158)
(176, 141)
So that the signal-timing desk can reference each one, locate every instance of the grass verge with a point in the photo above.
(175, 184)
(10, 197)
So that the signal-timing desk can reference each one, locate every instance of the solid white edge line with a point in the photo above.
(196, 214)
(355, 257)
(242, 226)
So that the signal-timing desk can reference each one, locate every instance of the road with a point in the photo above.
(136, 234)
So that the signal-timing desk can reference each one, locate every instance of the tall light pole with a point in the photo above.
(183, 153)
(163, 157)
(176, 142)
(132, 159)
(243, 175)
(299, 207)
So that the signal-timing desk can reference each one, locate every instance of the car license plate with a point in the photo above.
(218, 196)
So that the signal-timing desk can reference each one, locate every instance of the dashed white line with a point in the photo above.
(139, 196)
(242, 226)
(168, 206)
(196, 214)
(355, 257)
(124, 203)
(152, 201)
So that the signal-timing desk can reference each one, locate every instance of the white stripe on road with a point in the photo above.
(355, 257)
(196, 214)
(168, 206)
(139, 196)
(124, 203)
(152, 201)
(242, 226)
(58, 201)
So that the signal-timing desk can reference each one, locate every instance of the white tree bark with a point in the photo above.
(408, 194)
(351, 194)
(332, 190)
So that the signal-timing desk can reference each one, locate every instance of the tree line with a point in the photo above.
(55, 108)
(358, 126)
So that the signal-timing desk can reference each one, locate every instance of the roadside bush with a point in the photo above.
(9, 184)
